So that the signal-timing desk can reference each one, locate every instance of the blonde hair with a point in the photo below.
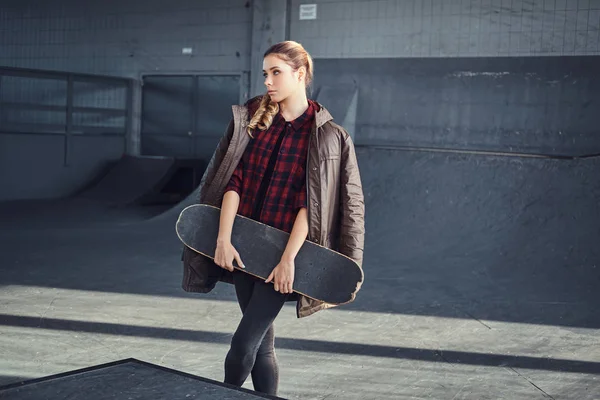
(295, 56)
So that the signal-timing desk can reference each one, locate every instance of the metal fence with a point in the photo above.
(65, 104)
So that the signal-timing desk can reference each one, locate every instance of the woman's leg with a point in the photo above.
(260, 308)
(265, 373)
(244, 286)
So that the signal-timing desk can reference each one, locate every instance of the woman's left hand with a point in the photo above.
(283, 276)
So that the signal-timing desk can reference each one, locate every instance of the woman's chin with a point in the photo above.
(276, 97)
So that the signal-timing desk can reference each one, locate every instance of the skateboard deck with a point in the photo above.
(321, 274)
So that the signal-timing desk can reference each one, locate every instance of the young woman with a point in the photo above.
(282, 162)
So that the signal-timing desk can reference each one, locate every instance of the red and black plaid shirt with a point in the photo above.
(275, 201)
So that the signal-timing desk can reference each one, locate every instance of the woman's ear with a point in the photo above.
(301, 73)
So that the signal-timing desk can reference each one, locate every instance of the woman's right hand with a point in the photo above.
(225, 254)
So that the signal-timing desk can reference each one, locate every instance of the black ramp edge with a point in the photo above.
(128, 379)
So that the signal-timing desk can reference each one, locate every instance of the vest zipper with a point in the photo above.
(308, 207)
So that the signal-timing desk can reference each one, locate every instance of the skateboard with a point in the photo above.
(321, 273)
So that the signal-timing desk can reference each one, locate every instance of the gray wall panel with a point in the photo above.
(448, 28)
(133, 37)
(544, 105)
(125, 38)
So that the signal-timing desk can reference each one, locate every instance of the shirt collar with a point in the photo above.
(305, 118)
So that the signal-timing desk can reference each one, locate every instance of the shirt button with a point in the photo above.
(314, 168)
(316, 204)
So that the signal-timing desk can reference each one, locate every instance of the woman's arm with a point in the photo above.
(283, 274)
(208, 176)
(229, 208)
(225, 252)
(297, 237)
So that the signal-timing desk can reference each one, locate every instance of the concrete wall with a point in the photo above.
(125, 38)
(449, 28)
(402, 58)
(133, 37)
(534, 105)
(130, 38)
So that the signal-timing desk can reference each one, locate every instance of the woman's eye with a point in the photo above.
(275, 72)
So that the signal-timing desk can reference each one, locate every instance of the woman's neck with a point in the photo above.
(293, 107)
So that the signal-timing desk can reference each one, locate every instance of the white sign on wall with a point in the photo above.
(308, 11)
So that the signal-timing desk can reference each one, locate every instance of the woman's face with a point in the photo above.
(280, 79)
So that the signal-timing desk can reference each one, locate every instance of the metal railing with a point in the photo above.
(43, 102)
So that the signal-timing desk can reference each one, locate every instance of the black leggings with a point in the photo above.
(252, 346)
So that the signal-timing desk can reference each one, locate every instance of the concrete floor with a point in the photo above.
(81, 286)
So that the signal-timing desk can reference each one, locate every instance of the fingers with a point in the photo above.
(270, 278)
(238, 259)
(284, 286)
(224, 256)
(281, 283)
(223, 264)
(288, 287)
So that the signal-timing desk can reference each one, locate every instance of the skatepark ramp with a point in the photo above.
(170, 216)
(483, 227)
(438, 207)
(487, 228)
(146, 180)
(471, 233)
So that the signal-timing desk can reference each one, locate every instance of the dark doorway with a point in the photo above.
(184, 116)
